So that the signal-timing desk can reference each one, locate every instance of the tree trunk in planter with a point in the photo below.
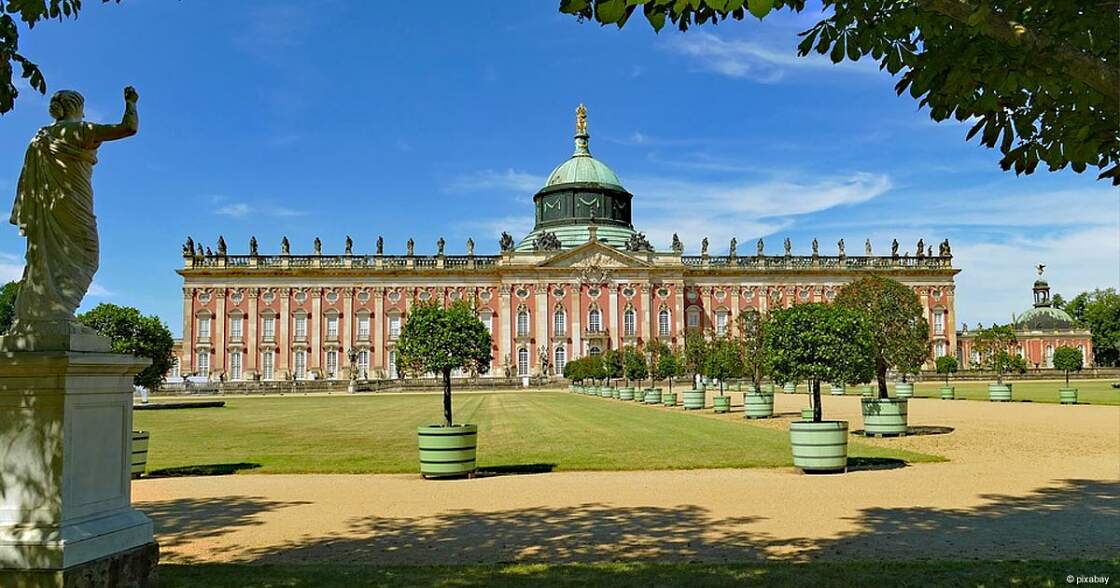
(819, 446)
(884, 416)
(758, 405)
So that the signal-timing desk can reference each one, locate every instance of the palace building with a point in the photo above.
(1038, 332)
(584, 280)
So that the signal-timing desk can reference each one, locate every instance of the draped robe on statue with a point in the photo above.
(54, 210)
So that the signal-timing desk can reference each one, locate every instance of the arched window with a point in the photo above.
(663, 322)
(394, 325)
(522, 362)
(939, 349)
(629, 322)
(267, 365)
(523, 323)
(560, 357)
(693, 318)
(332, 326)
(487, 319)
(363, 326)
(268, 326)
(559, 322)
(235, 365)
(301, 325)
(235, 326)
(204, 326)
(594, 324)
(939, 322)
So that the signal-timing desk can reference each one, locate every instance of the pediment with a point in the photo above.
(594, 256)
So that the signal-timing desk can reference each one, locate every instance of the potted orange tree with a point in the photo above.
(439, 340)
(697, 353)
(724, 362)
(669, 366)
(634, 368)
(947, 365)
(758, 403)
(819, 342)
(899, 339)
(992, 345)
(1068, 360)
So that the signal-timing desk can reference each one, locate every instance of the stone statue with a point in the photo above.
(678, 247)
(732, 250)
(506, 242)
(410, 246)
(894, 248)
(816, 248)
(209, 253)
(199, 252)
(921, 248)
(788, 246)
(222, 245)
(1040, 268)
(581, 120)
(840, 246)
(704, 246)
(637, 242)
(964, 327)
(943, 250)
(547, 241)
(285, 246)
(380, 245)
(349, 245)
(470, 246)
(318, 246)
(253, 245)
(188, 247)
(760, 246)
(867, 247)
(439, 246)
(54, 210)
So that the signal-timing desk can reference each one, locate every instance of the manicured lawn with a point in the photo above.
(643, 575)
(1088, 391)
(527, 431)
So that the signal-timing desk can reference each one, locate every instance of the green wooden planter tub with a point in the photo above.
(722, 404)
(447, 451)
(904, 390)
(819, 447)
(693, 399)
(653, 397)
(867, 391)
(1067, 395)
(139, 452)
(884, 416)
(948, 393)
(616, 393)
(789, 388)
(758, 406)
(606, 392)
(999, 392)
(669, 398)
(837, 389)
(807, 413)
(640, 396)
(626, 394)
(768, 388)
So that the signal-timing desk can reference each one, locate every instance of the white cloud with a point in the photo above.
(755, 59)
(242, 209)
(484, 228)
(508, 180)
(96, 290)
(11, 268)
(236, 210)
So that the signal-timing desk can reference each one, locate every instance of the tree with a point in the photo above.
(695, 352)
(669, 366)
(724, 361)
(574, 370)
(755, 355)
(7, 305)
(30, 12)
(595, 368)
(992, 345)
(634, 364)
(439, 340)
(655, 350)
(899, 332)
(818, 342)
(1039, 80)
(1099, 311)
(947, 365)
(130, 332)
(1068, 359)
(612, 365)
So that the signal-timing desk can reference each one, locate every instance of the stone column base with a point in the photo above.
(134, 568)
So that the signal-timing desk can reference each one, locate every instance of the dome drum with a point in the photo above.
(582, 203)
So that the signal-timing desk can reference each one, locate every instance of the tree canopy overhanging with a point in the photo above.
(1039, 80)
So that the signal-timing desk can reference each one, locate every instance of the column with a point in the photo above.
(678, 309)
(185, 365)
(576, 292)
(314, 323)
(950, 317)
(733, 325)
(377, 326)
(218, 327)
(347, 327)
(612, 315)
(709, 314)
(283, 342)
(542, 337)
(505, 337)
(251, 348)
(647, 312)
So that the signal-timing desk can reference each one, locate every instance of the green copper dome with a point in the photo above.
(1044, 317)
(582, 168)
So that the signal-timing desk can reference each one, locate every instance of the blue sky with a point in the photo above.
(331, 118)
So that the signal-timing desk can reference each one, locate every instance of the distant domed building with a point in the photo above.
(581, 282)
(1038, 332)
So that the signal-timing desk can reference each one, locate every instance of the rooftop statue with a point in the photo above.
(410, 246)
(506, 242)
(199, 251)
(470, 246)
(222, 245)
(840, 246)
(253, 245)
(440, 245)
(867, 247)
(209, 253)
(760, 247)
(380, 245)
(581, 120)
(789, 246)
(547, 241)
(349, 245)
(732, 250)
(894, 248)
(921, 248)
(318, 245)
(285, 246)
(704, 246)
(188, 247)
(678, 247)
(54, 210)
(637, 242)
(816, 247)
(943, 250)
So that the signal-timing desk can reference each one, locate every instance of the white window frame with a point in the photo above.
(332, 326)
(299, 364)
(693, 318)
(594, 320)
(236, 326)
(938, 322)
(559, 359)
(487, 318)
(204, 327)
(363, 326)
(559, 323)
(268, 327)
(235, 365)
(721, 321)
(523, 323)
(629, 322)
(664, 322)
(332, 365)
(394, 326)
(204, 364)
(363, 363)
(300, 327)
(268, 365)
(393, 364)
(522, 362)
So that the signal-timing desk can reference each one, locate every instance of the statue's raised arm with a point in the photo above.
(54, 210)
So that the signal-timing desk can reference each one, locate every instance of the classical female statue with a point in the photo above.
(470, 246)
(733, 249)
(285, 246)
(349, 245)
(54, 210)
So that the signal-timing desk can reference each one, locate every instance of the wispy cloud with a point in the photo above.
(11, 268)
(486, 228)
(96, 290)
(508, 180)
(760, 60)
(236, 210)
(243, 209)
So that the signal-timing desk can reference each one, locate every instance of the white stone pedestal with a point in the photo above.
(65, 453)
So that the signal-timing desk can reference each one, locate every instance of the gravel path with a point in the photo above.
(1023, 481)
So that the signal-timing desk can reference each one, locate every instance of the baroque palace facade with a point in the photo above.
(584, 280)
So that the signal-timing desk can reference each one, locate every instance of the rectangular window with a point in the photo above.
(693, 320)
(560, 359)
(938, 323)
(487, 319)
(235, 365)
(523, 324)
(392, 365)
(266, 365)
(522, 362)
(559, 323)
(363, 364)
(301, 327)
(939, 349)
(721, 323)
(363, 327)
(394, 326)
(628, 327)
(301, 365)
(332, 327)
(593, 324)
(235, 327)
(204, 364)
(204, 327)
(269, 327)
(332, 364)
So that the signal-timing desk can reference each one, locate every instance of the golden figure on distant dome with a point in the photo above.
(581, 120)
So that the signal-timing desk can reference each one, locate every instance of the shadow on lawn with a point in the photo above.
(514, 470)
(210, 469)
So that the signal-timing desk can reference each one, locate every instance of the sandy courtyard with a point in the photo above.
(1024, 481)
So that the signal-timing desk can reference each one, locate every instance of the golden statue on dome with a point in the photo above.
(581, 120)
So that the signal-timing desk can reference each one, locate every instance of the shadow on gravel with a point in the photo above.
(515, 470)
(863, 464)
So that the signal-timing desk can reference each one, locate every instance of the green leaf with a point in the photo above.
(760, 8)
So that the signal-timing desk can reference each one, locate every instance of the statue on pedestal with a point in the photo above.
(54, 210)
(440, 245)
(789, 247)
(867, 247)
(253, 245)
(704, 246)
(470, 246)
(349, 245)
(732, 251)
(318, 246)
(760, 246)
(894, 248)
(285, 246)
(677, 246)
(921, 248)
(188, 247)
(222, 246)
(380, 245)
(840, 246)
(816, 248)
(410, 246)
